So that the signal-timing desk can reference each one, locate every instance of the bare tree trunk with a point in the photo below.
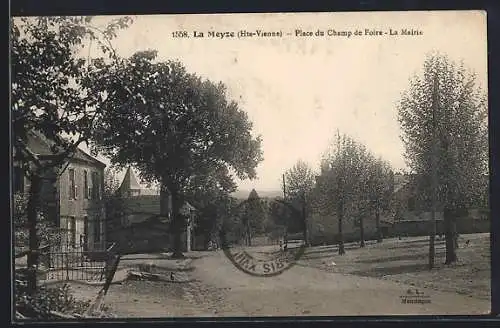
(341, 237)
(362, 231)
(177, 224)
(304, 219)
(285, 241)
(377, 222)
(449, 228)
(33, 208)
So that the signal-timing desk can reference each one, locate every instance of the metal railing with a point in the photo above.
(67, 263)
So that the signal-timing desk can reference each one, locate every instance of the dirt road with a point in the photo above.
(220, 289)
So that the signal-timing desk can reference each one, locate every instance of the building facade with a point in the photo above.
(144, 225)
(71, 197)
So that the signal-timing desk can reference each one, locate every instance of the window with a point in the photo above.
(72, 231)
(72, 184)
(95, 185)
(18, 179)
(86, 190)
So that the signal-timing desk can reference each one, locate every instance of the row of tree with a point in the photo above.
(443, 117)
(352, 183)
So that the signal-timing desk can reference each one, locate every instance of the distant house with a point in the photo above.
(145, 224)
(72, 198)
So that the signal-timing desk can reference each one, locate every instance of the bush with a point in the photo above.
(47, 299)
(48, 233)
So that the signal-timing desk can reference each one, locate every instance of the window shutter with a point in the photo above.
(70, 183)
(85, 184)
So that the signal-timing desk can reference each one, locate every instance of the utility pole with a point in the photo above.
(434, 176)
(286, 223)
(340, 193)
(304, 217)
(284, 188)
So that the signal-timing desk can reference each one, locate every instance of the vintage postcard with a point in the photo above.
(250, 165)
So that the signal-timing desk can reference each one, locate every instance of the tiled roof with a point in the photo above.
(130, 181)
(42, 146)
(148, 204)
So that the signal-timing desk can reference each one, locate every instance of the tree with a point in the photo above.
(380, 187)
(358, 205)
(336, 187)
(284, 218)
(50, 96)
(253, 217)
(47, 232)
(299, 185)
(445, 107)
(353, 183)
(181, 128)
(230, 228)
(114, 203)
(210, 195)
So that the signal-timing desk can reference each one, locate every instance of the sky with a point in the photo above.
(298, 90)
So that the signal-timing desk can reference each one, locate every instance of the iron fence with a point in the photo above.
(60, 263)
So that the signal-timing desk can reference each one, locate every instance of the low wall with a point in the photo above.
(422, 228)
(405, 228)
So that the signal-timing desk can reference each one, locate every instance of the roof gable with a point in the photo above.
(42, 146)
(129, 181)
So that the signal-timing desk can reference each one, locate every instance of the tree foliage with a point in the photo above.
(114, 203)
(51, 96)
(212, 201)
(299, 183)
(445, 107)
(253, 217)
(175, 129)
(353, 183)
(299, 180)
(283, 215)
(50, 85)
(47, 232)
(461, 131)
(380, 190)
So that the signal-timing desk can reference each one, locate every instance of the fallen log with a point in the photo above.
(134, 275)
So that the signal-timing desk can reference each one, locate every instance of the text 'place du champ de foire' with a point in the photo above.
(299, 33)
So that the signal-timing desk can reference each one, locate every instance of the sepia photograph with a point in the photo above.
(249, 165)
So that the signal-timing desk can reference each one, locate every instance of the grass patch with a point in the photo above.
(406, 261)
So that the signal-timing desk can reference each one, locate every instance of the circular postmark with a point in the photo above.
(264, 259)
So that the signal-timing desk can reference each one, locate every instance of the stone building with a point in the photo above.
(71, 198)
(144, 225)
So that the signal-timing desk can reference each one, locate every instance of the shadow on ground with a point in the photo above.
(159, 256)
(384, 271)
